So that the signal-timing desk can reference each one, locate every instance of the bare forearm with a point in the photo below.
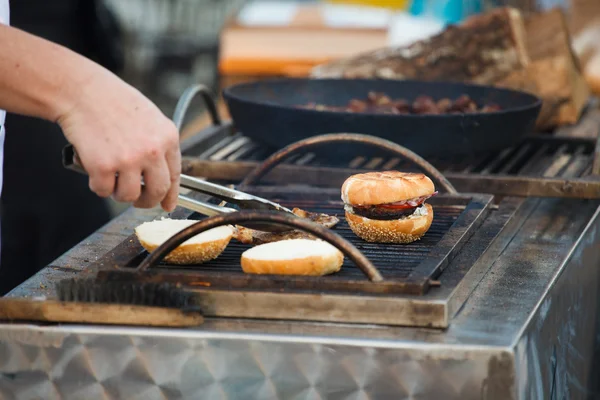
(39, 78)
(115, 129)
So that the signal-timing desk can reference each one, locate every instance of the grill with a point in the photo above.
(413, 291)
(395, 262)
(543, 165)
(423, 282)
(406, 269)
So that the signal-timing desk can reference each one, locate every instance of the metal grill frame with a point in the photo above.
(431, 309)
(418, 281)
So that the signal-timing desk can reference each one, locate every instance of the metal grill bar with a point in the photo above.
(513, 164)
(244, 150)
(496, 162)
(225, 153)
(539, 161)
(559, 160)
(578, 165)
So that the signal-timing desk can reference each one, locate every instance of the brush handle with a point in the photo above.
(95, 313)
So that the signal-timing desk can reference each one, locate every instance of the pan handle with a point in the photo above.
(186, 99)
(241, 217)
(303, 145)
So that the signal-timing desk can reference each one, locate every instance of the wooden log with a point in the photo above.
(483, 49)
(558, 83)
(555, 71)
(586, 44)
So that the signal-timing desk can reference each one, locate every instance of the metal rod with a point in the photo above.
(202, 186)
(186, 99)
(315, 141)
(202, 207)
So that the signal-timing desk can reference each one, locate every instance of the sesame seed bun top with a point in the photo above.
(385, 187)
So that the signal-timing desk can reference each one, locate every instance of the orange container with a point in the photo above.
(293, 48)
(396, 4)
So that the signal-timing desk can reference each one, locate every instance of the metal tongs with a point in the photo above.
(242, 200)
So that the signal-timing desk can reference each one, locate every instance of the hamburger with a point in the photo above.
(389, 206)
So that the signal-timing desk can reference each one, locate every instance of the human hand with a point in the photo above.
(116, 130)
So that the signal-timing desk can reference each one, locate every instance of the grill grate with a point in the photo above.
(540, 166)
(394, 261)
(403, 297)
(405, 268)
(540, 156)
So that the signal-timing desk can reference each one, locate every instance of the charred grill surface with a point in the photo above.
(402, 298)
(394, 261)
(405, 268)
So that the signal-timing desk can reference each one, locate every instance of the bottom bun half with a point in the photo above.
(293, 257)
(201, 248)
(404, 230)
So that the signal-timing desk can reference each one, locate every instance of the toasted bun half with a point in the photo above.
(201, 248)
(293, 257)
(404, 230)
(374, 188)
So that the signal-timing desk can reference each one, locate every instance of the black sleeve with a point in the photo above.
(87, 27)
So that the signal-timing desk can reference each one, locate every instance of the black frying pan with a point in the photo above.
(267, 112)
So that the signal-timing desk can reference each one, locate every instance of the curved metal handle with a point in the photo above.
(186, 99)
(314, 141)
(241, 217)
